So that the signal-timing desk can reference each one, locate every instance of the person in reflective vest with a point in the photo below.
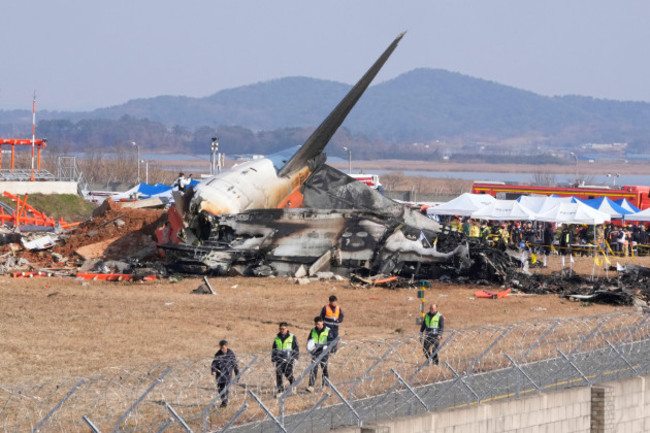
(332, 316)
(222, 367)
(431, 331)
(320, 335)
(284, 354)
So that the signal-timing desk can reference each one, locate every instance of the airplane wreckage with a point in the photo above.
(271, 216)
(291, 214)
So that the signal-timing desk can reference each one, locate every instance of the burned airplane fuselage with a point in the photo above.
(280, 241)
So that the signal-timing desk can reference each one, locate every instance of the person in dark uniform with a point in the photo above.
(320, 335)
(222, 367)
(431, 331)
(284, 354)
(332, 316)
(566, 239)
(548, 236)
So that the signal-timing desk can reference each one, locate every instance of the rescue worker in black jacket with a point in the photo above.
(320, 335)
(431, 331)
(222, 367)
(284, 354)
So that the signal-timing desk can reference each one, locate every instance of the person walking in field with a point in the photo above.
(222, 367)
(332, 316)
(431, 331)
(318, 339)
(284, 354)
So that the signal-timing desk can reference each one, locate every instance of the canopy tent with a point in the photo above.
(462, 205)
(145, 190)
(606, 205)
(573, 213)
(541, 204)
(622, 202)
(504, 210)
(643, 215)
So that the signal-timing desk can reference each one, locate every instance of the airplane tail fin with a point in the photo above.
(322, 135)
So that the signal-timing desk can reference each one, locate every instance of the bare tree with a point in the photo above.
(544, 178)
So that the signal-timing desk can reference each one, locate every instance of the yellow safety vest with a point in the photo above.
(285, 345)
(322, 338)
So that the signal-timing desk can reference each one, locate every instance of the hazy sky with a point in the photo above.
(84, 54)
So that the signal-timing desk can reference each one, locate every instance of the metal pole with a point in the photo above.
(268, 412)
(180, 420)
(55, 408)
(137, 149)
(137, 402)
(411, 390)
(349, 159)
(146, 171)
(340, 396)
(234, 418)
(90, 424)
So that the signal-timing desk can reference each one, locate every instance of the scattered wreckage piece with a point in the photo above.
(33, 274)
(617, 297)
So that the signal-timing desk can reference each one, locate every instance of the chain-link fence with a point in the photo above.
(370, 380)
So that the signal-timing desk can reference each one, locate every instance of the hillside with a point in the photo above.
(423, 105)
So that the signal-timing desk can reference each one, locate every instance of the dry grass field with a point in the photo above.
(54, 327)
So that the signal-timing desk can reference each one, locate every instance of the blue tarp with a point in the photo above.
(625, 204)
(604, 204)
(147, 190)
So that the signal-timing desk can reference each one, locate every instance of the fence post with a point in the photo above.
(58, 405)
(514, 364)
(309, 412)
(166, 424)
(234, 418)
(574, 366)
(90, 424)
(180, 420)
(268, 412)
(403, 382)
(137, 402)
(345, 402)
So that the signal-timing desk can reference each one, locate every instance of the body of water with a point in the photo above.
(623, 179)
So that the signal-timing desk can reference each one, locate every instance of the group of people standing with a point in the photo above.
(543, 237)
(285, 351)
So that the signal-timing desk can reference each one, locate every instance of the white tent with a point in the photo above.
(573, 213)
(644, 215)
(504, 210)
(462, 205)
(541, 204)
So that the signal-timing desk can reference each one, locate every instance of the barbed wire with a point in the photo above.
(476, 364)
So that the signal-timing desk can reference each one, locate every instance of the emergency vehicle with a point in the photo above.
(638, 196)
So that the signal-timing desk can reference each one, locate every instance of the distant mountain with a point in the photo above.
(423, 105)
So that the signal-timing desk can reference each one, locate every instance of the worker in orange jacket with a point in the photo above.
(332, 316)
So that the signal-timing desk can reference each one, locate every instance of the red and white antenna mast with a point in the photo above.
(33, 132)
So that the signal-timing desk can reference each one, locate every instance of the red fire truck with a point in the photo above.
(638, 196)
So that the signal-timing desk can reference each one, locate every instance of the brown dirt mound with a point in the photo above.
(139, 225)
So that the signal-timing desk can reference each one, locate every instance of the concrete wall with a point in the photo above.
(43, 187)
(612, 407)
